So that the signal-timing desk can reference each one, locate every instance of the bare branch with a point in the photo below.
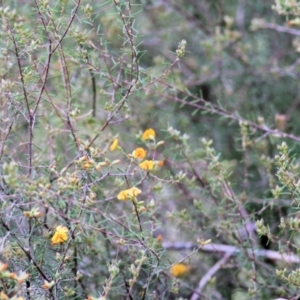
(205, 279)
(221, 248)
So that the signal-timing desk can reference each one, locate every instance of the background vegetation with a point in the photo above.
(210, 210)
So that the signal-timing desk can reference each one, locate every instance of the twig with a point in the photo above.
(165, 73)
(202, 104)
(68, 26)
(26, 98)
(204, 280)
(29, 255)
(270, 254)
(279, 28)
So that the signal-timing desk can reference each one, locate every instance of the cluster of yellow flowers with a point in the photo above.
(61, 232)
(146, 165)
(140, 153)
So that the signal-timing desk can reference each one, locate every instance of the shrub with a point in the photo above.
(149, 149)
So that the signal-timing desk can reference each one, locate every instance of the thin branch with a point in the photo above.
(280, 28)
(47, 65)
(202, 104)
(29, 256)
(221, 248)
(68, 26)
(205, 279)
(30, 116)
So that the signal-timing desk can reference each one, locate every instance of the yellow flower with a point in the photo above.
(114, 145)
(60, 236)
(129, 194)
(147, 165)
(180, 269)
(148, 134)
(139, 153)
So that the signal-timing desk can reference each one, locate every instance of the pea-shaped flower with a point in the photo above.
(180, 270)
(60, 236)
(147, 165)
(139, 153)
(148, 134)
(129, 194)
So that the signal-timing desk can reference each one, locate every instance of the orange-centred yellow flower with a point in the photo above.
(147, 165)
(114, 145)
(180, 269)
(148, 134)
(60, 236)
(139, 153)
(129, 194)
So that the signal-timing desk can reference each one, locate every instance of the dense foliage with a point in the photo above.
(149, 149)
